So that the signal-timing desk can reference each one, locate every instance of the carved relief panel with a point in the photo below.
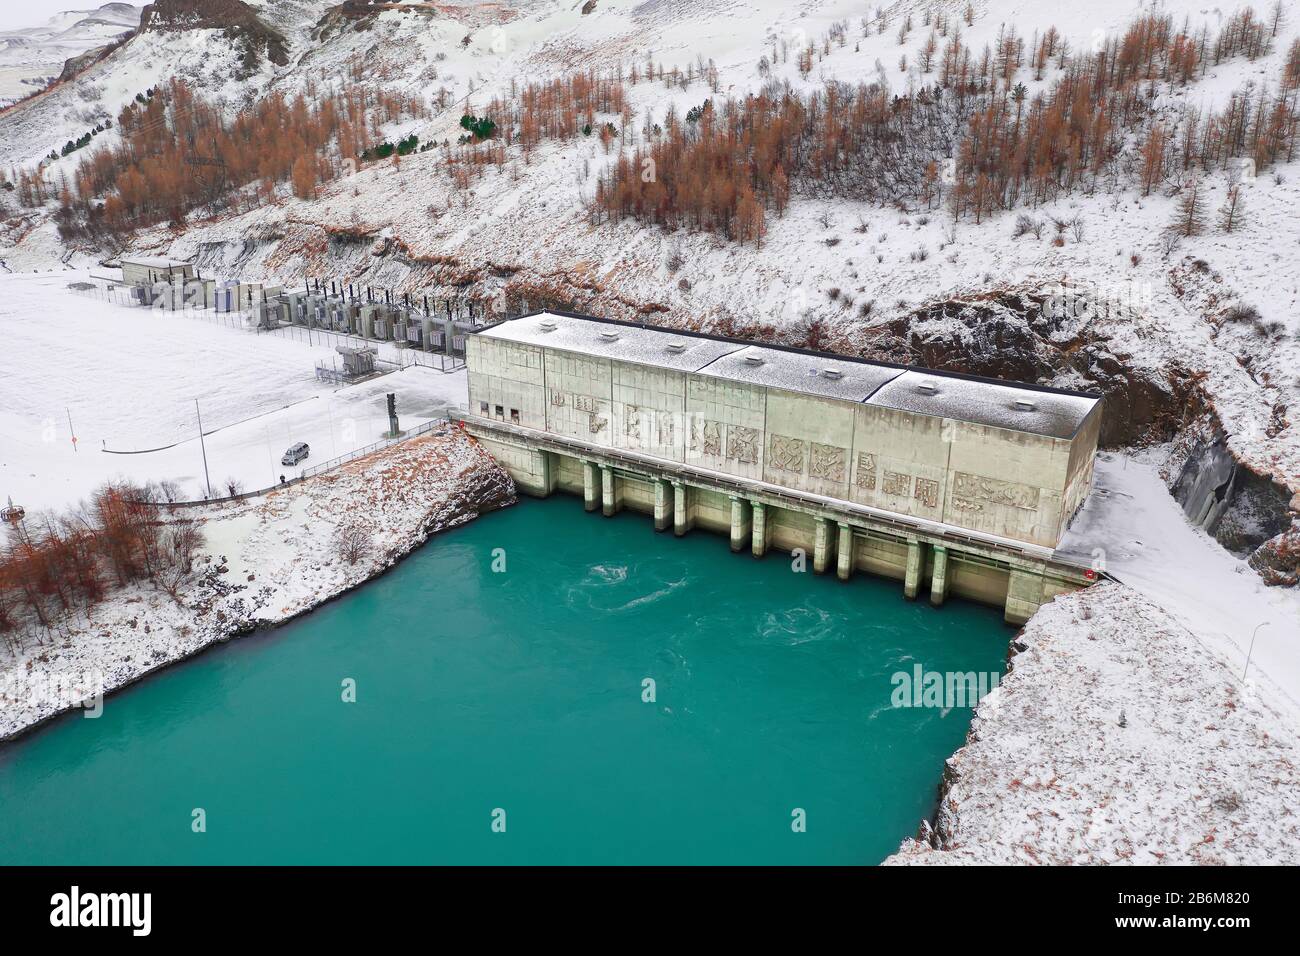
(927, 492)
(866, 479)
(896, 483)
(742, 444)
(826, 461)
(995, 491)
(787, 453)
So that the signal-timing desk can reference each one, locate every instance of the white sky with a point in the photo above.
(16, 14)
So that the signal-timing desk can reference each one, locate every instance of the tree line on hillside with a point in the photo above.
(178, 151)
(973, 139)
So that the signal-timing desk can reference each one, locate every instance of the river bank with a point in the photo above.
(1117, 736)
(263, 561)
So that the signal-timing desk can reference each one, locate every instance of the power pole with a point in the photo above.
(206, 478)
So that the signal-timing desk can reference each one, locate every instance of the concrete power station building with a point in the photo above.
(960, 483)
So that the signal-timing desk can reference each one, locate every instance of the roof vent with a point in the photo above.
(1026, 404)
(547, 325)
(831, 373)
(927, 388)
(753, 360)
(677, 348)
(609, 336)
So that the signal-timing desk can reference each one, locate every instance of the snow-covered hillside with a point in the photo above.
(32, 56)
(1170, 334)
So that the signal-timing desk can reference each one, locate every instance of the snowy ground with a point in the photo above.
(262, 561)
(1118, 737)
(128, 379)
(1129, 729)
(1144, 540)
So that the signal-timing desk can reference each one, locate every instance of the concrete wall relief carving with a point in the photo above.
(787, 453)
(995, 491)
(826, 461)
(927, 492)
(742, 444)
(584, 403)
(896, 483)
(712, 438)
(866, 471)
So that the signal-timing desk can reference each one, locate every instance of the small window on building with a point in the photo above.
(514, 415)
(501, 412)
(482, 408)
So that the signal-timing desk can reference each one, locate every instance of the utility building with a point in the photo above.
(150, 270)
(920, 455)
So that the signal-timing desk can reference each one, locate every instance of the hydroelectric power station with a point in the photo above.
(951, 483)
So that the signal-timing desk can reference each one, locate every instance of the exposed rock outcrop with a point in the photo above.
(1054, 336)
(236, 18)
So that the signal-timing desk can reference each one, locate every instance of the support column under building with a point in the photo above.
(542, 468)
(821, 545)
(740, 523)
(608, 504)
(590, 486)
(912, 583)
(759, 536)
(1024, 593)
(663, 505)
(844, 552)
(681, 513)
(939, 576)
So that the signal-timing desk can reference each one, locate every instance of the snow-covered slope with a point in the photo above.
(31, 56)
(870, 275)
(1117, 738)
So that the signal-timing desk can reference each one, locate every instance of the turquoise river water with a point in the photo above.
(521, 691)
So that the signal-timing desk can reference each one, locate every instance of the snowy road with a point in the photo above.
(1146, 542)
(127, 379)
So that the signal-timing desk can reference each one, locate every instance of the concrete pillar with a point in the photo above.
(541, 467)
(608, 506)
(759, 536)
(590, 486)
(821, 545)
(844, 552)
(681, 514)
(663, 505)
(915, 559)
(740, 523)
(1024, 592)
(939, 576)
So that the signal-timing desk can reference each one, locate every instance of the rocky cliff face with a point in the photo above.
(1049, 336)
(236, 18)
(1248, 514)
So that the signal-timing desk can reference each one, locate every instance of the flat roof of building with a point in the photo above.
(625, 342)
(1033, 409)
(154, 262)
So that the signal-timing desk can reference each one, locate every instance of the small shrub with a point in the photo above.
(352, 542)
